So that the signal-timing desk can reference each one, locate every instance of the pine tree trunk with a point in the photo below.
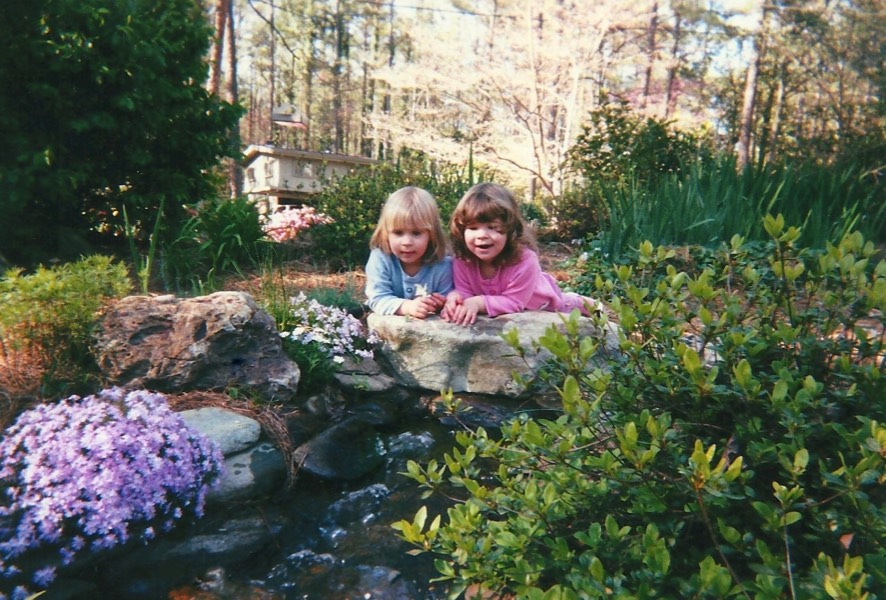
(222, 9)
(673, 69)
(775, 124)
(750, 93)
(650, 58)
(235, 173)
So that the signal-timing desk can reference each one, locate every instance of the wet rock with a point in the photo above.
(363, 377)
(347, 450)
(211, 342)
(145, 571)
(381, 583)
(306, 574)
(258, 471)
(471, 411)
(410, 445)
(357, 506)
(302, 572)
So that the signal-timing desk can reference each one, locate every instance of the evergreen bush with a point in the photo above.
(734, 447)
(354, 203)
(46, 323)
(222, 236)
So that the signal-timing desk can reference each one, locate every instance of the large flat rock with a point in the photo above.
(434, 355)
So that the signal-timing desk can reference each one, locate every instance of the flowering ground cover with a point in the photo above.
(89, 474)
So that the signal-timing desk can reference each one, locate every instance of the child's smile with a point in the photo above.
(486, 240)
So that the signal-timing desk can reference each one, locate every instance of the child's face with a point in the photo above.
(409, 246)
(486, 240)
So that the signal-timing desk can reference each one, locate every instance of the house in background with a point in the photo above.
(278, 177)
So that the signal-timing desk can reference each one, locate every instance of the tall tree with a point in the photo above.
(652, 50)
(515, 79)
(235, 174)
(222, 11)
(109, 111)
(749, 98)
(818, 83)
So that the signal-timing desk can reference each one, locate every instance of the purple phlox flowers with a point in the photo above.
(92, 473)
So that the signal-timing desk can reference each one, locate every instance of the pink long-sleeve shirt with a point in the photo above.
(514, 288)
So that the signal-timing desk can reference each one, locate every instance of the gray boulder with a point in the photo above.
(212, 342)
(256, 472)
(348, 450)
(435, 355)
(252, 468)
(231, 431)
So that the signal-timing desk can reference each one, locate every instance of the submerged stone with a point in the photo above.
(348, 450)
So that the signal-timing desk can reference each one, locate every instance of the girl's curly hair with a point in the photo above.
(486, 202)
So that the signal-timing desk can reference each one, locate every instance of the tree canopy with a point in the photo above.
(512, 82)
(103, 108)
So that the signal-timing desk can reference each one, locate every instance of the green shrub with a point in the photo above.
(221, 237)
(735, 446)
(579, 212)
(46, 321)
(355, 202)
(617, 147)
(616, 144)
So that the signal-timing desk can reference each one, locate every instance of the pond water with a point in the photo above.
(319, 540)
(329, 540)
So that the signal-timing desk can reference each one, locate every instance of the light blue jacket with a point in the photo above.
(387, 286)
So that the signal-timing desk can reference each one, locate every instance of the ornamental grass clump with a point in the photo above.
(319, 338)
(89, 474)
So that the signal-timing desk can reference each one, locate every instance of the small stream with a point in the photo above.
(338, 542)
(320, 540)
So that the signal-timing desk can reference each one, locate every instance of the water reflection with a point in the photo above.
(336, 541)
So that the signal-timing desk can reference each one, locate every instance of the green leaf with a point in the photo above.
(792, 517)
(506, 539)
(597, 570)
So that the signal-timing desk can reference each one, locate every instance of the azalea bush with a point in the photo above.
(319, 338)
(290, 224)
(735, 445)
(89, 474)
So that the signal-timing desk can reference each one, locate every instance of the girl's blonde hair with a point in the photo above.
(411, 208)
(486, 202)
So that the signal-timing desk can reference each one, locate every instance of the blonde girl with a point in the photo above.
(496, 268)
(408, 272)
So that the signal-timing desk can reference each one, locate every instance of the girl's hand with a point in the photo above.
(466, 312)
(420, 308)
(438, 299)
(453, 300)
